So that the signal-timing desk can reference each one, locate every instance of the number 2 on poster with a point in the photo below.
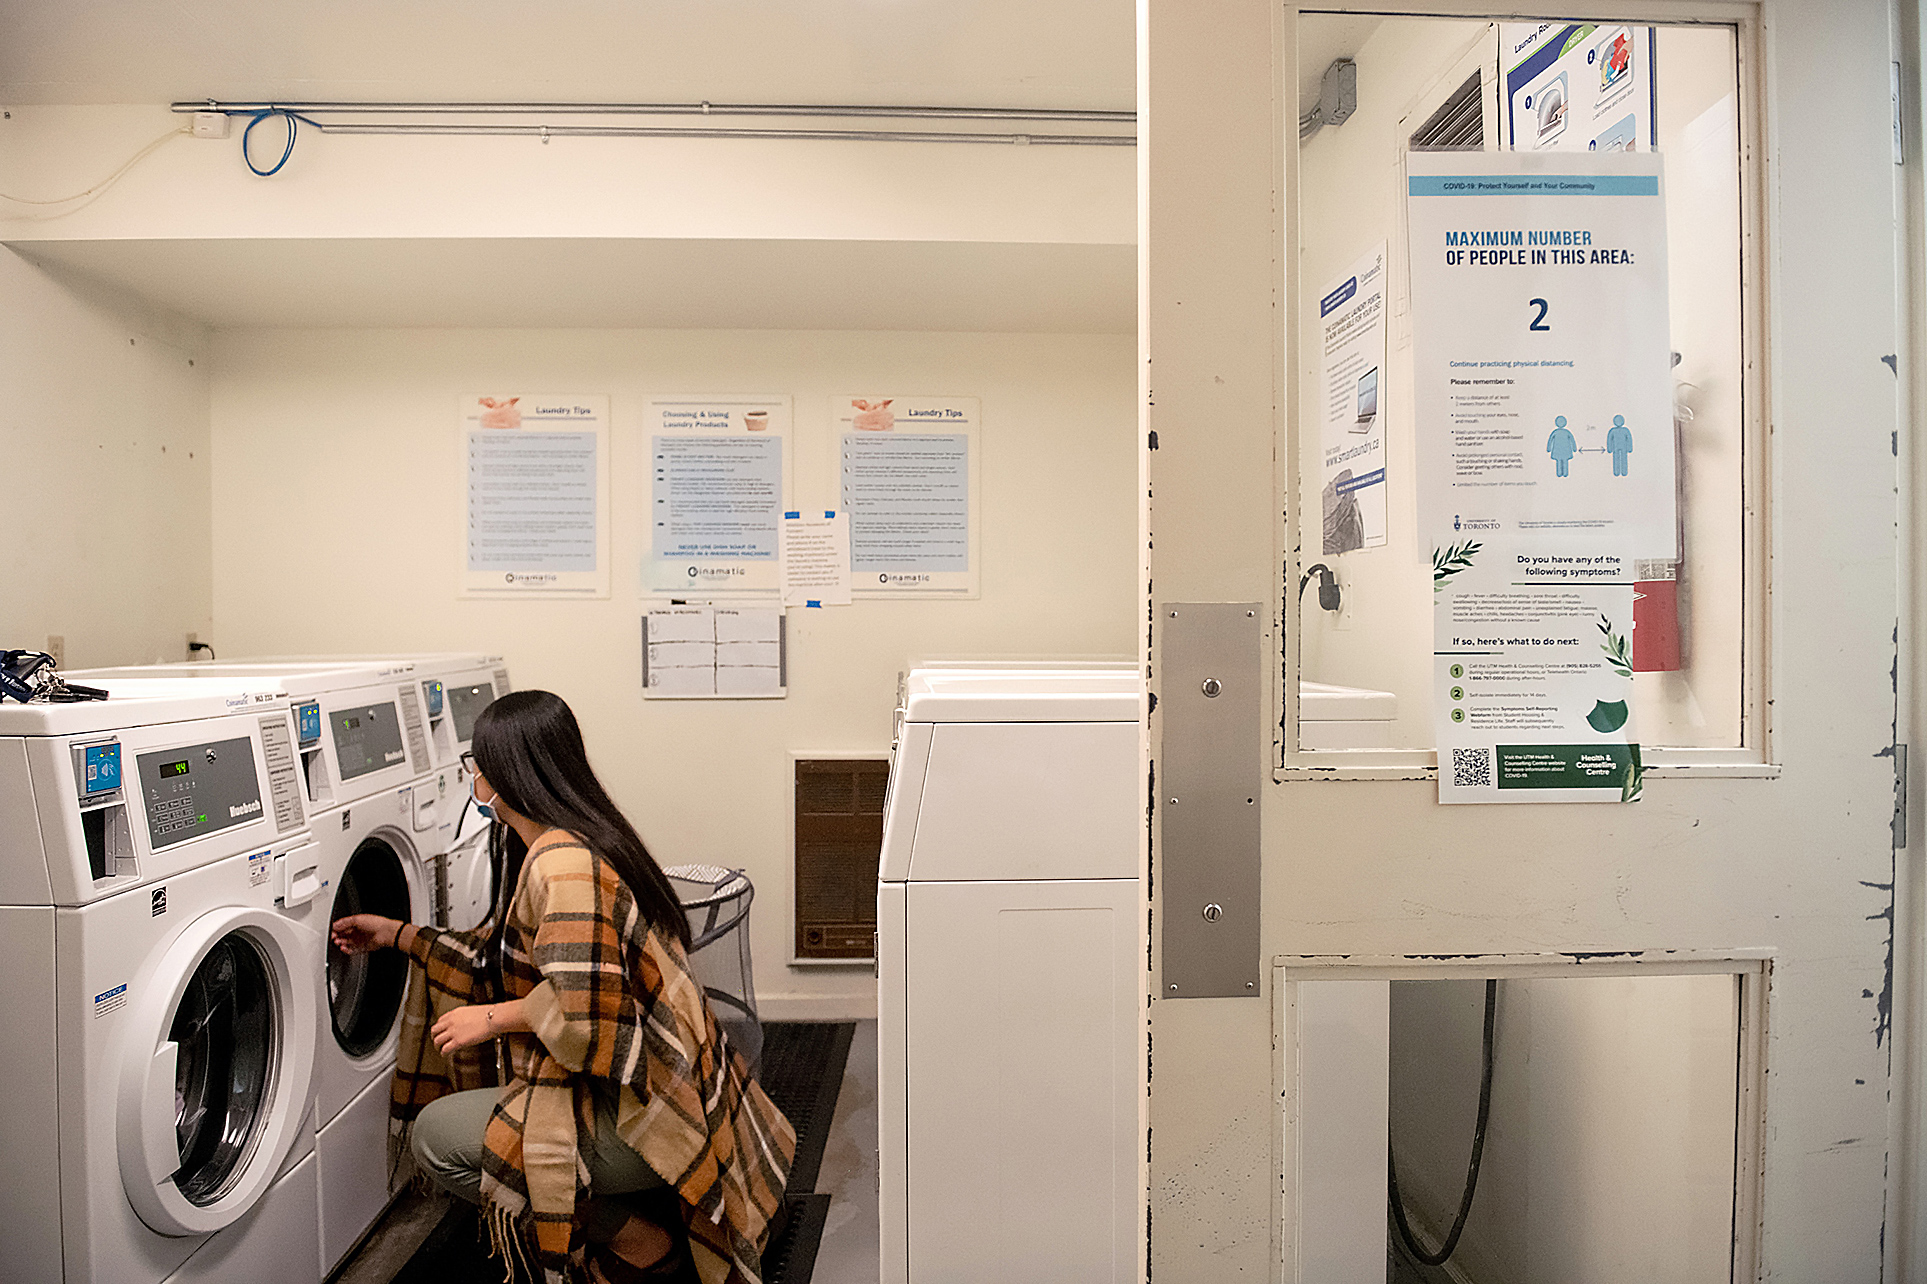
(1538, 322)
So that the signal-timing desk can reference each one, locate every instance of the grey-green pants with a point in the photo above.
(447, 1140)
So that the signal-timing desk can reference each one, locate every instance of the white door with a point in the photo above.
(1762, 849)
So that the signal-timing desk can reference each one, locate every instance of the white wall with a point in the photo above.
(1609, 1151)
(104, 441)
(439, 187)
(337, 527)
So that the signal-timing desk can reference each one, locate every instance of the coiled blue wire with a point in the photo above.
(294, 125)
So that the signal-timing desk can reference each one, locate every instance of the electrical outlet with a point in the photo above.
(210, 124)
(57, 648)
(1342, 618)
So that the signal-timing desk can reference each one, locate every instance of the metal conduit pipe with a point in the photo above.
(723, 131)
(664, 109)
(308, 113)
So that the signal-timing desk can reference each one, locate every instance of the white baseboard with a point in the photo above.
(817, 1007)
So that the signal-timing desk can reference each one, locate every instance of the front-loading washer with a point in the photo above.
(370, 863)
(156, 923)
(367, 775)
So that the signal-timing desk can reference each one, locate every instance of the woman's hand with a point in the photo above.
(462, 1027)
(477, 1023)
(361, 933)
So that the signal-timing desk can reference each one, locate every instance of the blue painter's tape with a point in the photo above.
(817, 605)
(829, 512)
(792, 516)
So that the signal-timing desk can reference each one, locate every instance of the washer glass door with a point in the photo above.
(225, 1029)
(365, 991)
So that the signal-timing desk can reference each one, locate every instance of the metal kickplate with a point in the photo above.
(1210, 767)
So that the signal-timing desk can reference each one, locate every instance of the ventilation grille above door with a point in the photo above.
(839, 839)
(1459, 123)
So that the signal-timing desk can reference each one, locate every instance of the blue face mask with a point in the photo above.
(486, 811)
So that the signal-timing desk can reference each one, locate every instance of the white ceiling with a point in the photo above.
(1019, 53)
(618, 284)
(1323, 37)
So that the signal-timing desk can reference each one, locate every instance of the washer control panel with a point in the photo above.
(198, 789)
(367, 738)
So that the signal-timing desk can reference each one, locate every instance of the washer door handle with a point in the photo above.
(160, 1145)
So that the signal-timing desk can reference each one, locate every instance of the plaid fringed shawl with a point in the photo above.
(609, 999)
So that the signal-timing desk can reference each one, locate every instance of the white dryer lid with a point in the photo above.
(1022, 695)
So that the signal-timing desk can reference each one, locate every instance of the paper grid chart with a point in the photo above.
(699, 652)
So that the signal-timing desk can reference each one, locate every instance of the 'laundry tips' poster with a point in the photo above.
(1543, 411)
(535, 495)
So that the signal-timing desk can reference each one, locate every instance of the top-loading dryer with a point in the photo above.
(156, 887)
(1008, 974)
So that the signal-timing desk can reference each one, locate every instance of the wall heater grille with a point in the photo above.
(839, 837)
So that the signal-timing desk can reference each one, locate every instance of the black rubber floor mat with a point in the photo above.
(455, 1252)
(802, 1071)
(791, 1255)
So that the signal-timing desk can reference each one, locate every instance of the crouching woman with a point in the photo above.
(628, 1141)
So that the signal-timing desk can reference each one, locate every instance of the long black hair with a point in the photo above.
(529, 746)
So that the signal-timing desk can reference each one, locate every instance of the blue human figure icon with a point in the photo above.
(1619, 440)
(1561, 446)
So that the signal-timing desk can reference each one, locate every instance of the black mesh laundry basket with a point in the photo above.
(717, 902)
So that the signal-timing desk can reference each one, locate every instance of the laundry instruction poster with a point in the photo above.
(1579, 87)
(1532, 675)
(1351, 388)
(1542, 360)
(719, 482)
(907, 477)
(535, 495)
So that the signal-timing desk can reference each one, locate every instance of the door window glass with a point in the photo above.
(1363, 624)
(225, 1031)
(365, 991)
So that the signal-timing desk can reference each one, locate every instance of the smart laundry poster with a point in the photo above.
(1579, 87)
(1351, 390)
(1541, 351)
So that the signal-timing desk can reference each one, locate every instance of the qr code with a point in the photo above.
(1472, 768)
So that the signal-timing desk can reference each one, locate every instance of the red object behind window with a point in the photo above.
(1655, 626)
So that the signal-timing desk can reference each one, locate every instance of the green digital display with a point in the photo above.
(174, 768)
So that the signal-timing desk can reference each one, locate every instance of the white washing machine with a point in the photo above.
(455, 687)
(1008, 972)
(360, 737)
(156, 898)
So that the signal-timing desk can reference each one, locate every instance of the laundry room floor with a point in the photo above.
(848, 1175)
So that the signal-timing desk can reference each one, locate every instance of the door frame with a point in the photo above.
(1751, 968)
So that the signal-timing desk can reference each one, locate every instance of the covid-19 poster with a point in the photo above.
(1543, 411)
(1541, 345)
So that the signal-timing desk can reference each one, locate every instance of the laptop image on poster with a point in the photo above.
(1367, 400)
